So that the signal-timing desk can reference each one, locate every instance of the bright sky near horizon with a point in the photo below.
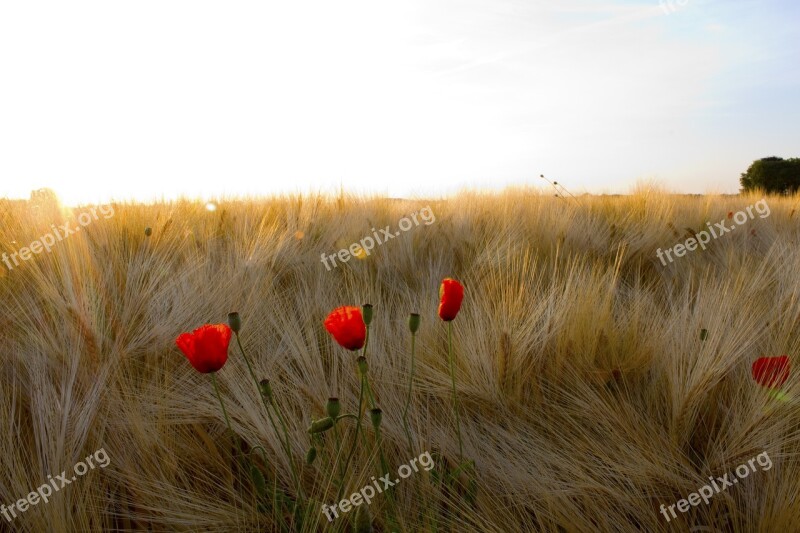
(152, 99)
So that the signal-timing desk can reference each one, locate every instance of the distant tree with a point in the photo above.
(44, 196)
(773, 175)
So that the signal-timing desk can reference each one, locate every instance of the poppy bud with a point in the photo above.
(376, 415)
(703, 334)
(366, 310)
(333, 407)
(362, 365)
(311, 455)
(320, 426)
(235, 321)
(266, 388)
(148, 231)
(413, 322)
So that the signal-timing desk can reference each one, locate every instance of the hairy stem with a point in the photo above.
(285, 442)
(455, 395)
(355, 437)
(408, 397)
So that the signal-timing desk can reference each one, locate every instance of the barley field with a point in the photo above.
(595, 383)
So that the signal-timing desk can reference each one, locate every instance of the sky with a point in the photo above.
(159, 99)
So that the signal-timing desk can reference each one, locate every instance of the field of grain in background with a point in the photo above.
(588, 398)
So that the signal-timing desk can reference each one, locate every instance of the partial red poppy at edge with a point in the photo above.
(346, 325)
(451, 293)
(771, 371)
(206, 347)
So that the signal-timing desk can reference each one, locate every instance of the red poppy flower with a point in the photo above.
(771, 371)
(451, 292)
(730, 215)
(206, 348)
(346, 324)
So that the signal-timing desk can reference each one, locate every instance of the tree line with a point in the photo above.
(772, 175)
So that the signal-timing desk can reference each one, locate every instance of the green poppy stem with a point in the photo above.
(455, 395)
(355, 437)
(384, 471)
(408, 397)
(369, 390)
(263, 452)
(384, 468)
(285, 431)
(338, 438)
(372, 404)
(221, 403)
(285, 444)
(234, 436)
